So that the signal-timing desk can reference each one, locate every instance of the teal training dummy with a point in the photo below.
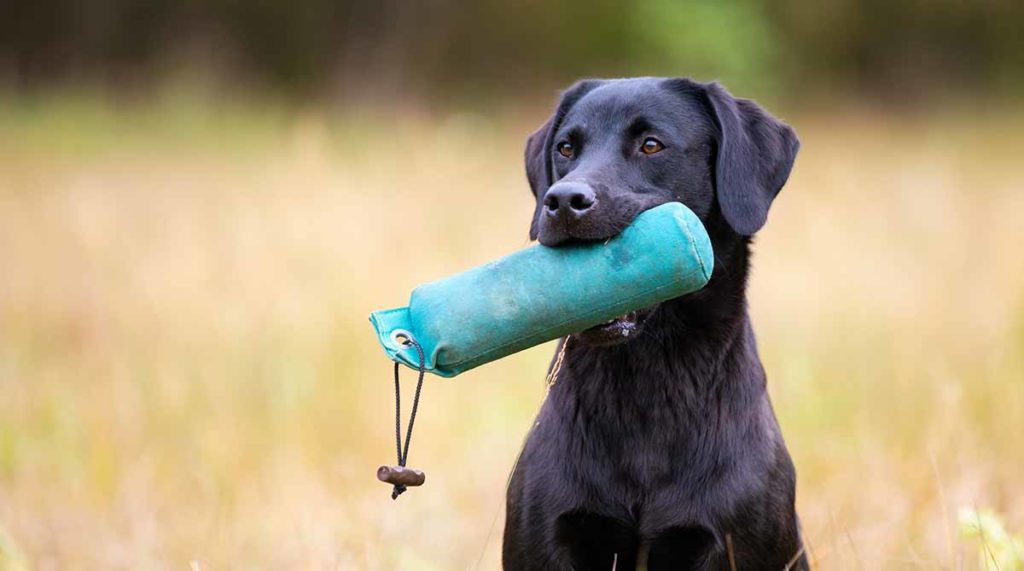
(541, 293)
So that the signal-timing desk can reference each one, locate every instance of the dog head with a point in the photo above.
(615, 148)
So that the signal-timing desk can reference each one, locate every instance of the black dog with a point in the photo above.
(657, 447)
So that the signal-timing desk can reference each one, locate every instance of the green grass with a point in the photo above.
(187, 373)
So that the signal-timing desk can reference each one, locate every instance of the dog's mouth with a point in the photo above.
(618, 330)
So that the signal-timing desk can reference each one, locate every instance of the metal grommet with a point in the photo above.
(401, 337)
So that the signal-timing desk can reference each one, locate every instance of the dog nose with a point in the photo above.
(569, 199)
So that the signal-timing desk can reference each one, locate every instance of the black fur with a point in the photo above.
(661, 445)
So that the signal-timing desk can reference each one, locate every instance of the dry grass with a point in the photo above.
(187, 374)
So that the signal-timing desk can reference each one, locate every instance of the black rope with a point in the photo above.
(403, 452)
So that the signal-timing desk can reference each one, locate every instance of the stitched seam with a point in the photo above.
(693, 247)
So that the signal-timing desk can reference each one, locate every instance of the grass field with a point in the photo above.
(187, 375)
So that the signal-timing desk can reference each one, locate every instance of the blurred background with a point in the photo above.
(201, 202)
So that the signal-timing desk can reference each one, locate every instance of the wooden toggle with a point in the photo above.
(400, 476)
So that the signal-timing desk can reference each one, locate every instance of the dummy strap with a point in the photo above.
(399, 476)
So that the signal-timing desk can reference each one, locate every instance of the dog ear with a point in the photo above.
(755, 155)
(538, 147)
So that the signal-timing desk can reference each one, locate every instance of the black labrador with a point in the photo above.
(657, 447)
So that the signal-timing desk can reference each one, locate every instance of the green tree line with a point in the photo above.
(437, 48)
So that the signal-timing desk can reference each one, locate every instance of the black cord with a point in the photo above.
(403, 453)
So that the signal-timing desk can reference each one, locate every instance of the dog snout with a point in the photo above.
(570, 210)
(569, 200)
(574, 210)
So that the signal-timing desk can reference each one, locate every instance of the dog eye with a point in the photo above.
(651, 146)
(565, 149)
